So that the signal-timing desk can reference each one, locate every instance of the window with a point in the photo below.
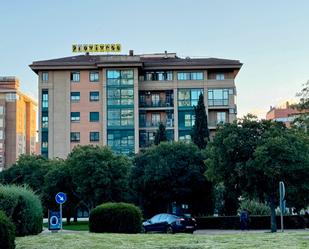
(94, 96)
(94, 116)
(121, 141)
(155, 99)
(75, 96)
(1, 110)
(232, 111)
(93, 76)
(189, 120)
(159, 76)
(120, 77)
(75, 116)
(1, 134)
(189, 97)
(94, 136)
(44, 119)
(118, 96)
(218, 97)
(221, 117)
(220, 76)
(11, 97)
(44, 76)
(155, 119)
(120, 117)
(75, 136)
(75, 76)
(44, 99)
(185, 136)
(190, 76)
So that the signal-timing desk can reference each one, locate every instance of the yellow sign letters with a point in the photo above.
(94, 48)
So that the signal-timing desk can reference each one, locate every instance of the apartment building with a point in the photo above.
(17, 122)
(119, 100)
(285, 113)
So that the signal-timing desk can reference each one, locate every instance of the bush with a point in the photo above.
(256, 222)
(115, 218)
(7, 232)
(254, 207)
(23, 207)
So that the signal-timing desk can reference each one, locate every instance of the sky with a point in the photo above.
(270, 38)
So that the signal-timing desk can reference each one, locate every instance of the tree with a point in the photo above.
(29, 169)
(281, 155)
(250, 157)
(302, 121)
(160, 134)
(200, 132)
(98, 174)
(58, 179)
(232, 146)
(171, 172)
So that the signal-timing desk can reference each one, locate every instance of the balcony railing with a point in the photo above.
(214, 123)
(154, 124)
(160, 103)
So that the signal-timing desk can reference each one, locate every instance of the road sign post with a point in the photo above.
(60, 199)
(282, 202)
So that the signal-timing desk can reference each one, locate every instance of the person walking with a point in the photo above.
(244, 220)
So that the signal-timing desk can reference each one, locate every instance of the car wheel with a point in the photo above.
(143, 230)
(169, 230)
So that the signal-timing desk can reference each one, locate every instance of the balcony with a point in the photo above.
(160, 103)
(169, 123)
(156, 99)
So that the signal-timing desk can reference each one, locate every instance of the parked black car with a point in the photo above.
(169, 223)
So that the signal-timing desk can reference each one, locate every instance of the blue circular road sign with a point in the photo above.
(61, 198)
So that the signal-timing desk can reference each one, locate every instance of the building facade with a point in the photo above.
(284, 113)
(119, 100)
(17, 122)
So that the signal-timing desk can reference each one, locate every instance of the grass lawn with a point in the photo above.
(74, 226)
(87, 240)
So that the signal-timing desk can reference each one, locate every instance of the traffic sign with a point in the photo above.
(54, 221)
(61, 198)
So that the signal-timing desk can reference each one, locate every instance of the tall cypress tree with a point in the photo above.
(160, 134)
(200, 132)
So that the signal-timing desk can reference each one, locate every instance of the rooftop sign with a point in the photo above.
(77, 48)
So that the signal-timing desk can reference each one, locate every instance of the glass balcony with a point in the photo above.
(169, 123)
(159, 103)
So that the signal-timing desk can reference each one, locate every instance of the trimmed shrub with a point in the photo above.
(254, 207)
(23, 207)
(7, 232)
(256, 222)
(115, 218)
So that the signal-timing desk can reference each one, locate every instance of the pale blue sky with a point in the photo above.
(270, 37)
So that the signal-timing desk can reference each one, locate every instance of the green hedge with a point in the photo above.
(23, 207)
(7, 232)
(256, 222)
(115, 218)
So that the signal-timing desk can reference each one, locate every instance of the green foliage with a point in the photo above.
(302, 120)
(98, 175)
(29, 169)
(251, 157)
(58, 179)
(200, 132)
(115, 218)
(254, 207)
(171, 172)
(7, 232)
(160, 134)
(23, 207)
